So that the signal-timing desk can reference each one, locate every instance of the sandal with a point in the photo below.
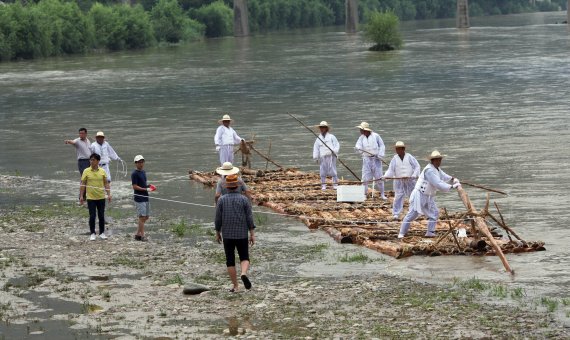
(232, 290)
(246, 282)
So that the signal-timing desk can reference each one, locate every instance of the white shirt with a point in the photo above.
(226, 136)
(373, 144)
(82, 148)
(319, 148)
(104, 150)
(432, 180)
(407, 167)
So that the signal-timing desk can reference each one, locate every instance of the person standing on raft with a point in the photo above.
(323, 155)
(406, 168)
(371, 147)
(225, 139)
(422, 199)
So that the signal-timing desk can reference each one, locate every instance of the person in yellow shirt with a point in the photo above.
(94, 183)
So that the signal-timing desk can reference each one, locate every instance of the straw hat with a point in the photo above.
(364, 126)
(399, 144)
(100, 134)
(139, 158)
(227, 169)
(225, 118)
(324, 124)
(232, 181)
(434, 155)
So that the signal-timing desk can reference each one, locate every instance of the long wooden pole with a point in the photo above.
(484, 188)
(371, 154)
(481, 225)
(328, 147)
(265, 157)
(268, 155)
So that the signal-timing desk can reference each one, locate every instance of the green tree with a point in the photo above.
(217, 17)
(382, 28)
(171, 24)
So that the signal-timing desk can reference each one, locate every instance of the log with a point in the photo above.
(481, 226)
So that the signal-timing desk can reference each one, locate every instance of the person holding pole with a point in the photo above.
(225, 139)
(326, 156)
(371, 147)
(405, 169)
(422, 200)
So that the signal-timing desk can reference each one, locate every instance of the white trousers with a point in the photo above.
(107, 171)
(328, 166)
(425, 206)
(226, 154)
(372, 169)
(402, 188)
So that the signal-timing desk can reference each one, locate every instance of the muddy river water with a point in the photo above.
(494, 98)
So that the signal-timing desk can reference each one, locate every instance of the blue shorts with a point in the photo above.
(143, 208)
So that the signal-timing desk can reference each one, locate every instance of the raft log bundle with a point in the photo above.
(298, 194)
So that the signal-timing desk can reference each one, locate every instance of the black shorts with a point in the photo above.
(242, 247)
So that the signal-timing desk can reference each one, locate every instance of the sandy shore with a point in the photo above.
(56, 284)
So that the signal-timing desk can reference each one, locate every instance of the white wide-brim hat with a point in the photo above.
(100, 134)
(364, 126)
(399, 144)
(324, 124)
(227, 169)
(225, 117)
(139, 158)
(435, 154)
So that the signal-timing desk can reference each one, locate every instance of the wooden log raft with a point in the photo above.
(370, 223)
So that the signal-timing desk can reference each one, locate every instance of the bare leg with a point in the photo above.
(140, 229)
(244, 267)
(233, 276)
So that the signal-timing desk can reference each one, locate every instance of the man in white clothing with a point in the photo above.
(106, 151)
(371, 147)
(422, 199)
(406, 169)
(225, 139)
(323, 155)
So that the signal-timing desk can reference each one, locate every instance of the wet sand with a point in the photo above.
(59, 285)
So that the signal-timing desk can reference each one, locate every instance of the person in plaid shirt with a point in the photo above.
(234, 219)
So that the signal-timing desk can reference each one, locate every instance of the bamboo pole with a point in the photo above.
(328, 147)
(265, 157)
(371, 154)
(481, 225)
(268, 155)
(484, 188)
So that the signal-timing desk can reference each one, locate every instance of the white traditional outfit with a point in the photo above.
(225, 139)
(107, 154)
(372, 150)
(422, 199)
(326, 158)
(402, 167)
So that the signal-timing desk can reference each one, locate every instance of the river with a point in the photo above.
(494, 98)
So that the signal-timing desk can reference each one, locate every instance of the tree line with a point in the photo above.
(31, 29)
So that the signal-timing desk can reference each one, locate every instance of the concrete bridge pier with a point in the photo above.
(241, 23)
(351, 20)
(463, 14)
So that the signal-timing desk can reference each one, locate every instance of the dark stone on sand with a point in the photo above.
(194, 288)
(99, 277)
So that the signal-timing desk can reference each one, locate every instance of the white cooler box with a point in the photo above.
(350, 193)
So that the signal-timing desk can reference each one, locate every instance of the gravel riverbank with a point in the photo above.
(56, 284)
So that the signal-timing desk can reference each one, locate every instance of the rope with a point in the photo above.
(310, 218)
